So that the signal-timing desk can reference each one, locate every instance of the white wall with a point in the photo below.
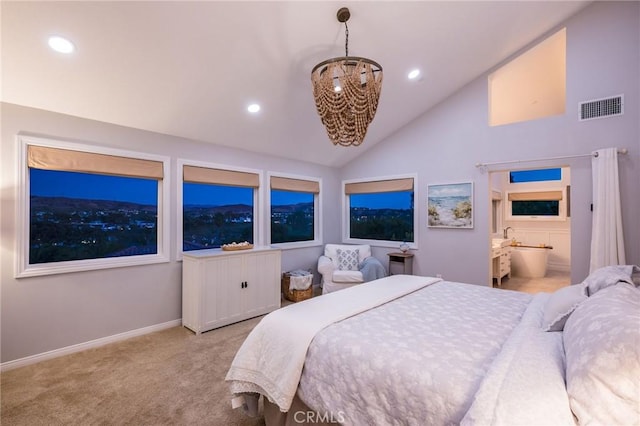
(443, 145)
(41, 314)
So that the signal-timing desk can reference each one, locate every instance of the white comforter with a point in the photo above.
(448, 353)
(270, 360)
(417, 360)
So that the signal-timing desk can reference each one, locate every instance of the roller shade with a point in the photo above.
(46, 158)
(536, 196)
(298, 185)
(196, 174)
(393, 185)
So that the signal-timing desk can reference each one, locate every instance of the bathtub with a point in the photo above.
(529, 261)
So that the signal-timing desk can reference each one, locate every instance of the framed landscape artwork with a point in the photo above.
(450, 205)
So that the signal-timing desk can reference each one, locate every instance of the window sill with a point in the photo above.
(380, 243)
(89, 265)
(297, 245)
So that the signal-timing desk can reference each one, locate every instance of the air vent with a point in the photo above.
(601, 108)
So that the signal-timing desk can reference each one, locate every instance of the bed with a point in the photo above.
(419, 350)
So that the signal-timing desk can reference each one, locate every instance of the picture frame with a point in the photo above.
(450, 205)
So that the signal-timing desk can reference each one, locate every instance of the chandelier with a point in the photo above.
(346, 90)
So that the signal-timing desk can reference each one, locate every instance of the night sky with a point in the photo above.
(51, 183)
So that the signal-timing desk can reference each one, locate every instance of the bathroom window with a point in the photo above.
(536, 175)
(535, 208)
(537, 205)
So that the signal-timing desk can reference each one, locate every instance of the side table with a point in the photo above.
(400, 263)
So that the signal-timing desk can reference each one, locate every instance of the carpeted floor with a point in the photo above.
(170, 377)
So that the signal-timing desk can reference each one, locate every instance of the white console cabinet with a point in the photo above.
(222, 287)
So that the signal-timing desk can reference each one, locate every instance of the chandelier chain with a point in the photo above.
(346, 39)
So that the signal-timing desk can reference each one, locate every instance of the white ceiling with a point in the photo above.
(190, 69)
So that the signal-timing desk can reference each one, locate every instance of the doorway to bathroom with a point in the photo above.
(530, 220)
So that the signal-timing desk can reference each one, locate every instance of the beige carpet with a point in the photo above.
(170, 377)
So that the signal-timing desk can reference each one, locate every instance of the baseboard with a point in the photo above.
(10, 365)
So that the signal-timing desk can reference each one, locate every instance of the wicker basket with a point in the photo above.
(227, 247)
(294, 295)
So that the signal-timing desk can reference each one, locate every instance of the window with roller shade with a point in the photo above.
(295, 210)
(89, 208)
(219, 205)
(536, 205)
(380, 211)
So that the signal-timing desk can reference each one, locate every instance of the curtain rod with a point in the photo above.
(484, 166)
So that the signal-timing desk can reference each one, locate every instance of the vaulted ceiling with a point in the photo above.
(190, 69)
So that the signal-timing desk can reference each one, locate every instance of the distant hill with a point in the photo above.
(67, 205)
(232, 208)
(242, 208)
(288, 208)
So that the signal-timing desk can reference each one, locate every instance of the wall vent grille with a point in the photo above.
(601, 108)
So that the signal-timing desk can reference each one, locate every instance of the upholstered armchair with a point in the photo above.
(346, 265)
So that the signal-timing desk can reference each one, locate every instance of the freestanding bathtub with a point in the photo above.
(529, 261)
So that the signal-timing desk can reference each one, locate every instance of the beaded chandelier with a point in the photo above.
(346, 90)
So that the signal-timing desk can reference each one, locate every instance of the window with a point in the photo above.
(537, 205)
(219, 206)
(536, 175)
(89, 208)
(380, 211)
(294, 211)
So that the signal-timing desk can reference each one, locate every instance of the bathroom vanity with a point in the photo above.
(501, 259)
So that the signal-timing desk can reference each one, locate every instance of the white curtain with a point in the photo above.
(607, 241)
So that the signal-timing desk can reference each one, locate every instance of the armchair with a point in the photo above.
(346, 265)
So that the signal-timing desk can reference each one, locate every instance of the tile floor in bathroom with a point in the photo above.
(550, 283)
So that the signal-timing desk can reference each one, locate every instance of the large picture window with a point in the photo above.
(381, 211)
(89, 208)
(294, 210)
(219, 206)
(78, 216)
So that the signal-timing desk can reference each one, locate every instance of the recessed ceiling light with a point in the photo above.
(61, 44)
(253, 108)
(414, 74)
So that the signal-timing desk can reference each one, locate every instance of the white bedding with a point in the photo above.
(525, 384)
(414, 361)
(446, 353)
(271, 359)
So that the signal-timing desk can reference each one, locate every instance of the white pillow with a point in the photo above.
(602, 347)
(607, 276)
(330, 251)
(560, 305)
(348, 259)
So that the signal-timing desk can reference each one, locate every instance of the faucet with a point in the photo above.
(505, 233)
